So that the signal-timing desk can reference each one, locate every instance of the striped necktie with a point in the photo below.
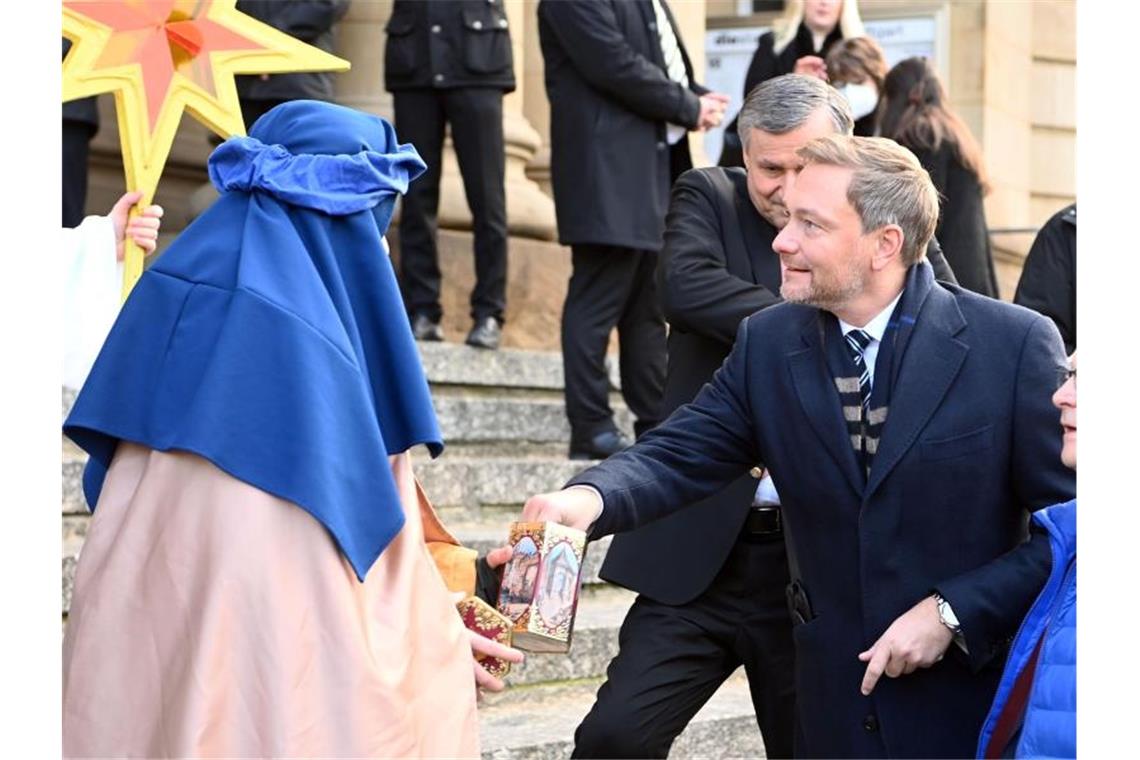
(857, 342)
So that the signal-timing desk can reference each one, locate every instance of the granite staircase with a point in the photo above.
(507, 436)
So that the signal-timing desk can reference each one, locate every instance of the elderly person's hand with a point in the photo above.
(143, 229)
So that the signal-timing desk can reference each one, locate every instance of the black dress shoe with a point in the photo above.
(425, 328)
(485, 334)
(600, 446)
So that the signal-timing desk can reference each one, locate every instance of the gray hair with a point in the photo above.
(888, 186)
(785, 102)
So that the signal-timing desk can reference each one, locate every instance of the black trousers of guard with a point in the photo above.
(76, 148)
(476, 118)
(673, 659)
(612, 287)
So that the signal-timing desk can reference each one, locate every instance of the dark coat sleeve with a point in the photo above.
(308, 19)
(990, 601)
(699, 450)
(1048, 283)
(698, 293)
(591, 38)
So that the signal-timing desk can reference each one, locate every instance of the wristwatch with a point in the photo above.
(947, 616)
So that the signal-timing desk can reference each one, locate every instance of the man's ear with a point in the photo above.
(888, 243)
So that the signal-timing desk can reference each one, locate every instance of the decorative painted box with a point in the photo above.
(485, 620)
(539, 592)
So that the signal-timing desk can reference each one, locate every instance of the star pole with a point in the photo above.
(161, 58)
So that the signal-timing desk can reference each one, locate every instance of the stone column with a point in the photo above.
(361, 39)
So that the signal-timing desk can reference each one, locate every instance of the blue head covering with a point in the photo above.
(270, 338)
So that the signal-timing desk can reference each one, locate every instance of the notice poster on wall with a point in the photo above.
(729, 51)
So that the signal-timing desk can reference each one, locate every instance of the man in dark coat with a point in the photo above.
(717, 268)
(450, 62)
(1048, 283)
(622, 97)
(907, 428)
(80, 124)
(310, 21)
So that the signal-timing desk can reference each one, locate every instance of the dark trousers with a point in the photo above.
(476, 118)
(673, 659)
(612, 287)
(76, 147)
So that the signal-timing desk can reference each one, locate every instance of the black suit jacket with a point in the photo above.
(610, 99)
(971, 444)
(471, 49)
(717, 267)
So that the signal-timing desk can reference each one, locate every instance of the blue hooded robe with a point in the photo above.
(270, 338)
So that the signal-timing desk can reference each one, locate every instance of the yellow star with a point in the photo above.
(163, 57)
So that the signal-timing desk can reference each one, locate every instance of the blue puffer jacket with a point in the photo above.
(1050, 725)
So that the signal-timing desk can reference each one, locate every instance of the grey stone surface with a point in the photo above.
(454, 481)
(74, 532)
(594, 643)
(538, 722)
(470, 418)
(457, 364)
(72, 487)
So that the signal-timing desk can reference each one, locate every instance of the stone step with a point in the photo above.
(466, 486)
(600, 613)
(538, 722)
(501, 418)
(451, 364)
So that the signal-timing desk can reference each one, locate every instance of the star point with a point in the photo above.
(162, 58)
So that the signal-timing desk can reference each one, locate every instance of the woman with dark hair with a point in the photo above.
(798, 43)
(857, 68)
(917, 116)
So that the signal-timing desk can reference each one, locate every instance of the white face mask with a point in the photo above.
(863, 97)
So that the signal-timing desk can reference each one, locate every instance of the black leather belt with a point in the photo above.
(763, 521)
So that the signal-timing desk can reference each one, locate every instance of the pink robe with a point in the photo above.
(212, 619)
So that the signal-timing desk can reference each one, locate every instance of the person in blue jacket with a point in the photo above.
(1034, 713)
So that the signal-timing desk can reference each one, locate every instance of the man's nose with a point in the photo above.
(784, 242)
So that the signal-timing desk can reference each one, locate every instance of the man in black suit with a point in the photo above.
(450, 62)
(707, 613)
(906, 426)
(622, 97)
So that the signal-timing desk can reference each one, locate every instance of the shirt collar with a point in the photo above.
(877, 326)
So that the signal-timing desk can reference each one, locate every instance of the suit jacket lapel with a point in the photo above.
(649, 18)
(932, 359)
(750, 232)
(816, 391)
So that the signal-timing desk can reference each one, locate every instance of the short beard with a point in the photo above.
(829, 296)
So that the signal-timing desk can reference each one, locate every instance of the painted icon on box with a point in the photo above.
(539, 592)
